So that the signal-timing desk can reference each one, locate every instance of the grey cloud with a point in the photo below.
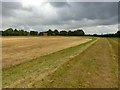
(59, 4)
(91, 10)
(61, 15)
(0, 8)
(9, 8)
(11, 5)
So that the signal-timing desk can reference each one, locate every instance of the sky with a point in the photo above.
(92, 17)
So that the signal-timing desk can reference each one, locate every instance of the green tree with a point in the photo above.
(21, 32)
(50, 32)
(63, 33)
(40, 33)
(26, 33)
(33, 33)
(70, 33)
(118, 33)
(79, 32)
(56, 32)
(16, 32)
(9, 32)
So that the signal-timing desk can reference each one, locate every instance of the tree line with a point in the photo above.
(15, 32)
(117, 34)
(78, 32)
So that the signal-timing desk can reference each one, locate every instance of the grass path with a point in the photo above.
(26, 74)
(96, 67)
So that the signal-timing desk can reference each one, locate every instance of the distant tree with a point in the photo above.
(79, 32)
(26, 33)
(21, 32)
(63, 33)
(1, 33)
(118, 33)
(50, 32)
(70, 33)
(8, 32)
(95, 35)
(11, 32)
(56, 32)
(33, 33)
(40, 33)
(16, 32)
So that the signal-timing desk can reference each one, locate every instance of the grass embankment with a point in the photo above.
(26, 74)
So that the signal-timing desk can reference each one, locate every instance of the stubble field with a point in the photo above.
(60, 62)
(16, 50)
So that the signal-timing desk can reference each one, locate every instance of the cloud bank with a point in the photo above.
(93, 17)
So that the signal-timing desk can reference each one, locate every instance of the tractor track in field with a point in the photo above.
(96, 67)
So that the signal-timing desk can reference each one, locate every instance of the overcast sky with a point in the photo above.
(92, 17)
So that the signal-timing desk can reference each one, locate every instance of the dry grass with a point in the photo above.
(25, 74)
(94, 68)
(16, 50)
(89, 65)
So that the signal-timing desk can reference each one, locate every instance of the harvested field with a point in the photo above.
(16, 50)
(91, 63)
(96, 67)
(25, 73)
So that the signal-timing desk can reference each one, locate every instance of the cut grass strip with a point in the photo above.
(86, 70)
(14, 74)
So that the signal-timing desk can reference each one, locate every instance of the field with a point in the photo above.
(27, 48)
(60, 62)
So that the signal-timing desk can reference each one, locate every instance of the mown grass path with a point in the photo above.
(26, 74)
(96, 67)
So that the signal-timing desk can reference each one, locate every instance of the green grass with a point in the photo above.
(14, 73)
(65, 69)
